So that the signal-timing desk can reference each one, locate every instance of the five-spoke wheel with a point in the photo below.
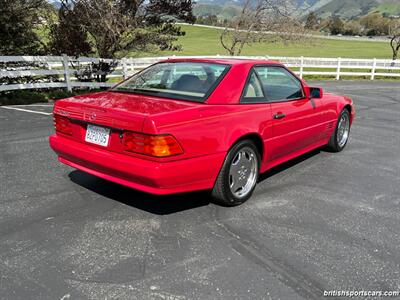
(243, 172)
(341, 134)
(238, 176)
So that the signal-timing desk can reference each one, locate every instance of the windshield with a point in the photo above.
(191, 81)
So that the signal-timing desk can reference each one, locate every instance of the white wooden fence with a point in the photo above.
(64, 68)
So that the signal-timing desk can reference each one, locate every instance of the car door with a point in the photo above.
(253, 94)
(295, 117)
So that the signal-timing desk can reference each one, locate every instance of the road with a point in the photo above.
(321, 222)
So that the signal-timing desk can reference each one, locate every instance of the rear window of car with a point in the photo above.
(191, 81)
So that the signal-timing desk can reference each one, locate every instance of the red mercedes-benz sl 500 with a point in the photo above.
(199, 124)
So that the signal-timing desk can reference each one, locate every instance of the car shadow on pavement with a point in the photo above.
(164, 205)
(159, 205)
(291, 163)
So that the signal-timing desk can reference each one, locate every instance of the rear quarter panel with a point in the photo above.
(212, 128)
(334, 104)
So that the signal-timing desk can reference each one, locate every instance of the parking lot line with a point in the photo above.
(27, 110)
(39, 105)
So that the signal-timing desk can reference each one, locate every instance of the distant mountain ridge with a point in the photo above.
(343, 8)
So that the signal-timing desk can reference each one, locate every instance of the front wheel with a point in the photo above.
(238, 176)
(341, 134)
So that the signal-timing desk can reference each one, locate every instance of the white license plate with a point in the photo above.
(97, 135)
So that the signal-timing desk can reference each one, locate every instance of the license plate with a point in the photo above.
(97, 135)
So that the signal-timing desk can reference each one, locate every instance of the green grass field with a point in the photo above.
(205, 41)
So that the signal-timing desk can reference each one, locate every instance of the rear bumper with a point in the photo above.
(158, 178)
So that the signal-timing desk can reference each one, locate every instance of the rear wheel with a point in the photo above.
(238, 176)
(341, 134)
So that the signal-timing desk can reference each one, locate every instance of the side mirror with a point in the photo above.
(316, 93)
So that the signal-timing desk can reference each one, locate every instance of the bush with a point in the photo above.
(21, 97)
(59, 94)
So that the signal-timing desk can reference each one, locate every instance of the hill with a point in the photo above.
(355, 8)
(343, 8)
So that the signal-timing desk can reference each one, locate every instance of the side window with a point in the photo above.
(253, 92)
(279, 84)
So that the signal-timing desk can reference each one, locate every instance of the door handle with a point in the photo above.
(279, 116)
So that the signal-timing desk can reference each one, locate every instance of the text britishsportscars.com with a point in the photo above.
(360, 293)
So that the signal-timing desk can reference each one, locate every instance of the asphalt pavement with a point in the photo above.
(324, 221)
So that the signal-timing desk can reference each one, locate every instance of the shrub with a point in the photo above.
(59, 94)
(21, 97)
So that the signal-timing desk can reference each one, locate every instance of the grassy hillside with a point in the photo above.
(347, 8)
(389, 8)
(205, 41)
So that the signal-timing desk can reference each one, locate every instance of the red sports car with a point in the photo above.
(199, 124)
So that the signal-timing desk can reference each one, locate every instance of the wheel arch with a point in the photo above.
(347, 103)
(349, 109)
(255, 138)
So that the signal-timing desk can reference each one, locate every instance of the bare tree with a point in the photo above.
(395, 40)
(262, 21)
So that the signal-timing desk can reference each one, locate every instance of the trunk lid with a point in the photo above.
(117, 110)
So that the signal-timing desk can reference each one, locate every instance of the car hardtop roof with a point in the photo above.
(227, 61)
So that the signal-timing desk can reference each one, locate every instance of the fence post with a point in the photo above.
(373, 69)
(67, 76)
(124, 68)
(135, 65)
(339, 62)
(50, 68)
(301, 67)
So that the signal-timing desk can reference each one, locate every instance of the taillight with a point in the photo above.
(153, 145)
(62, 124)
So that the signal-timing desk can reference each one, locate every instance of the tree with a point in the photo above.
(17, 21)
(208, 20)
(67, 36)
(395, 39)
(312, 21)
(375, 24)
(336, 25)
(261, 21)
(352, 27)
(118, 26)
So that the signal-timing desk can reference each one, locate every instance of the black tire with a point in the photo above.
(333, 144)
(221, 192)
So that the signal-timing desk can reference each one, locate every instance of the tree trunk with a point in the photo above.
(395, 44)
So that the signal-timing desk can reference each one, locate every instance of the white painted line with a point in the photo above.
(27, 110)
(38, 105)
